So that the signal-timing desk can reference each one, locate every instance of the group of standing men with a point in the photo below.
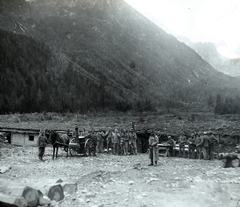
(121, 142)
(124, 142)
(200, 145)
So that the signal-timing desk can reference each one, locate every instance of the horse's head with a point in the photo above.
(52, 137)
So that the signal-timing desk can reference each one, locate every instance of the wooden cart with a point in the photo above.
(82, 146)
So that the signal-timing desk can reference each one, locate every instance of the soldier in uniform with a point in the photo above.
(212, 141)
(191, 146)
(121, 142)
(182, 140)
(93, 137)
(171, 142)
(133, 140)
(153, 148)
(115, 141)
(41, 143)
(100, 141)
(198, 142)
(205, 146)
(125, 136)
(108, 136)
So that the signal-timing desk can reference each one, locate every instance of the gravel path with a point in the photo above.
(108, 180)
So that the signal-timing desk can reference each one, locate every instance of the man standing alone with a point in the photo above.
(153, 148)
(42, 143)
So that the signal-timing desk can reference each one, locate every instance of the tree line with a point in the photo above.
(226, 105)
(34, 79)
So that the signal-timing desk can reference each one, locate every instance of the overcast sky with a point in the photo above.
(215, 21)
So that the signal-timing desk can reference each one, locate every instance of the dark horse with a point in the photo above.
(58, 140)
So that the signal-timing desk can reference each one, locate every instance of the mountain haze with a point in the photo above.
(209, 53)
(82, 55)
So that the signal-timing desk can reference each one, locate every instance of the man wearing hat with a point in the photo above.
(171, 142)
(41, 143)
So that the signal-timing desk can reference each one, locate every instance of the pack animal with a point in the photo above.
(58, 140)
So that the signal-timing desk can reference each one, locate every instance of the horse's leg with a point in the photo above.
(66, 149)
(57, 152)
(53, 152)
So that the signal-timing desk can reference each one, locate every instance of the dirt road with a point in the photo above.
(108, 180)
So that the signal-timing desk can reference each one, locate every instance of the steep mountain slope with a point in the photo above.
(102, 54)
(209, 53)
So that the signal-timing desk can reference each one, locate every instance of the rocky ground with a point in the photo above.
(108, 180)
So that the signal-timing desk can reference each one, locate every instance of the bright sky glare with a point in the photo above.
(199, 20)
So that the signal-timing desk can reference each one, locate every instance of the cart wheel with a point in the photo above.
(235, 163)
(88, 147)
(72, 151)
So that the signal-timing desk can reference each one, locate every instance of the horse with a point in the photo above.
(57, 140)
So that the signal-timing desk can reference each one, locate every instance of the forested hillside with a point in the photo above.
(80, 55)
(33, 79)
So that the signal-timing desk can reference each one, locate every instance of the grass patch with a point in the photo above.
(164, 122)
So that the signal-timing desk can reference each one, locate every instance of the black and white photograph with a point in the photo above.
(119, 103)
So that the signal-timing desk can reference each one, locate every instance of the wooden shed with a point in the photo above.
(23, 137)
